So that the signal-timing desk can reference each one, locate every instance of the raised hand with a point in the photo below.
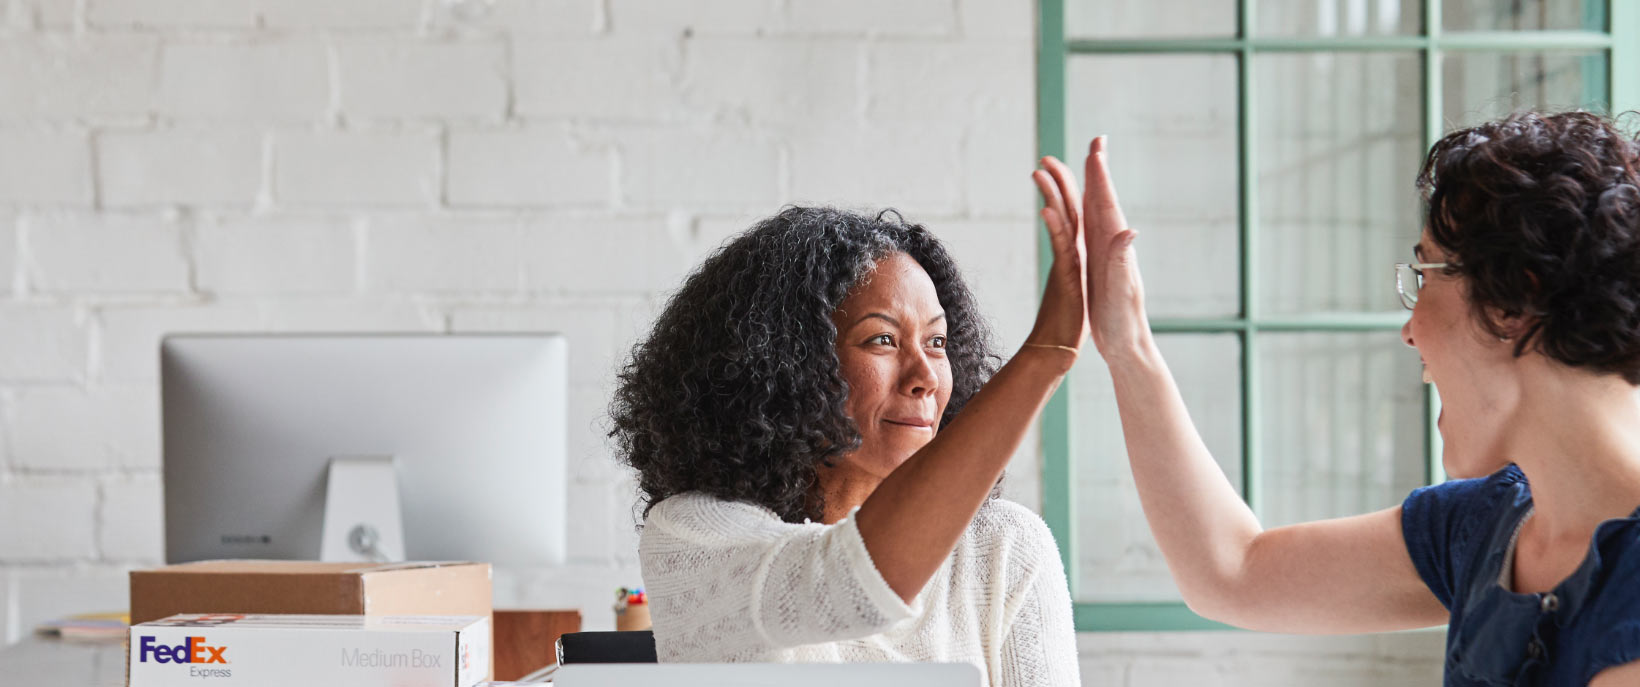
(1061, 321)
(1116, 296)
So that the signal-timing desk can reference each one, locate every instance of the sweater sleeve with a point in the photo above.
(729, 581)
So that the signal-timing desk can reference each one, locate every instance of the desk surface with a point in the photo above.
(45, 661)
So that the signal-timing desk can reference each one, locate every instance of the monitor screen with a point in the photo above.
(474, 426)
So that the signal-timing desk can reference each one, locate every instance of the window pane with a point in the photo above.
(1339, 17)
(1523, 15)
(1342, 423)
(1150, 19)
(1172, 126)
(1479, 86)
(1117, 558)
(1339, 139)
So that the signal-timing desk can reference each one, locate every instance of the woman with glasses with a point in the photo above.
(1525, 298)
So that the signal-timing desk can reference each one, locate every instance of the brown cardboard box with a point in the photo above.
(247, 586)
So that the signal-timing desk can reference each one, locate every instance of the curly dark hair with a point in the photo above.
(1541, 214)
(737, 391)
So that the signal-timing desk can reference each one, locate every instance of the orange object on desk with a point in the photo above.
(525, 641)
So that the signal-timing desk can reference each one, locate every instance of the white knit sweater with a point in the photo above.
(730, 581)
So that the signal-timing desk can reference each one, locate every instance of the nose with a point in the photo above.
(1406, 333)
(918, 377)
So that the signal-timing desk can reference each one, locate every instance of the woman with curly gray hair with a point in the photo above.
(818, 423)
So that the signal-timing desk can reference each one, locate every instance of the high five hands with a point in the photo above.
(1090, 237)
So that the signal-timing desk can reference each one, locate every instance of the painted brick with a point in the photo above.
(352, 315)
(697, 17)
(40, 14)
(589, 329)
(1012, 19)
(588, 539)
(8, 255)
(244, 82)
(195, 166)
(397, 79)
(69, 428)
(785, 80)
(635, 79)
(349, 169)
(105, 254)
(520, 17)
(554, 253)
(45, 167)
(281, 256)
(129, 336)
(699, 169)
(171, 14)
(76, 76)
(42, 343)
(27, 536)
(908, 167)
(541, 166)
(951, 80)
(329, 14)
(48, 594)
(430, 255)
(999, 150)
(904, 18)
(132, 520)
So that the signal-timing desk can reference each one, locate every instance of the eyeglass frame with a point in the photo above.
(1417, 269)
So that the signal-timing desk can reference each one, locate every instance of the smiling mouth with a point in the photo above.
(919, 424)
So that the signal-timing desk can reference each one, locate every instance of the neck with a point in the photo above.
(1576, 436)
(845, 488)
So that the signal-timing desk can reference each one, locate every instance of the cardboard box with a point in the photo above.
(311, 650)
(308, 587)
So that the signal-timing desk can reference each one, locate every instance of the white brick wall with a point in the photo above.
(479, 166)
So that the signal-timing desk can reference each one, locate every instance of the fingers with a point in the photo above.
(1068, 190)
(1100, 201)
(1053, 212)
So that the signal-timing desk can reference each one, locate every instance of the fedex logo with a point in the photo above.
(194, 650)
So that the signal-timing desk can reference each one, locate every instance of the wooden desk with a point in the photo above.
(524, 639)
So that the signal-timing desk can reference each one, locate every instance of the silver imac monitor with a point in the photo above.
(310, 447)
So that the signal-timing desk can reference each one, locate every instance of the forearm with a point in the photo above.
(1204, 528)
(913, 519)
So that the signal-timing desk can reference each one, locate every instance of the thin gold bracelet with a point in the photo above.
(1062, 348)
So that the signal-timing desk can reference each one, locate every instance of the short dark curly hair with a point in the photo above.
(737, 391)
(1541, 214)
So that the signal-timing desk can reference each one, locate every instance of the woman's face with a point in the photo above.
(1473, 371)
(891, 345)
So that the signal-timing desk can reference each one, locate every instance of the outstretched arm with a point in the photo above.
(1346, 575)
(914, 518)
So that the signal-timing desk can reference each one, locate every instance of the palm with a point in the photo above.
(1115, 298)
(1062, 319)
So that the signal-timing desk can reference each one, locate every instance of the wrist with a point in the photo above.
(1050, 358)
(1134, 356)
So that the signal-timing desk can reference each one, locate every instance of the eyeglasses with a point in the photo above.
(1412, 274)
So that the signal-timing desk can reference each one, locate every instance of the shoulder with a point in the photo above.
(1003, 527)
(1478, 499)
(704, 519)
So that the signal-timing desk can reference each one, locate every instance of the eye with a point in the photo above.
(938, 341)
(881, 339)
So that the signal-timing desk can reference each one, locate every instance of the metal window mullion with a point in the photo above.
(1433, 128)
(1058, 483)
(1246, 90)
(1469, 41)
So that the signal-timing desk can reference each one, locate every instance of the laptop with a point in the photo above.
(768, 675)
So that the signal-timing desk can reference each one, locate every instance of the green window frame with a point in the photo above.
(1620, 78)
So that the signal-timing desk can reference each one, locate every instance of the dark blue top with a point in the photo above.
(1459, 533)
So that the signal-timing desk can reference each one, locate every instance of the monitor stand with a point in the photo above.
(362, 519)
